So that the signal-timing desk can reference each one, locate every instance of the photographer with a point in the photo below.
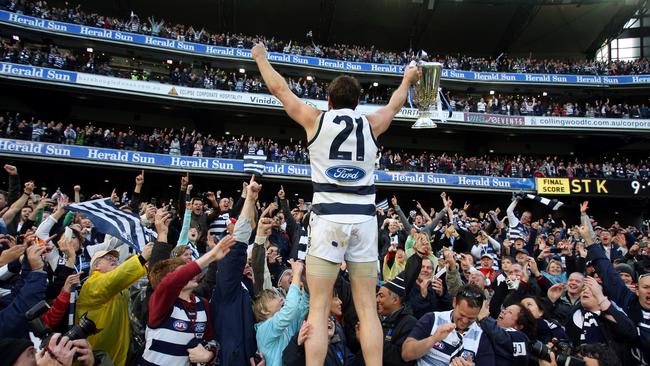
(60, 351)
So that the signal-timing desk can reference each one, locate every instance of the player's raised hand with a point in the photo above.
(259, 52)
(412, 74)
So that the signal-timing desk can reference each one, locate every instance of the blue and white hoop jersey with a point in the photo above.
(342, 154)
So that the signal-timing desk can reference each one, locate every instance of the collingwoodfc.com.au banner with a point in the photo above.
(155, 89)
(77, 30)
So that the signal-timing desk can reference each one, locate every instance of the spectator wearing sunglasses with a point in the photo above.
(451, 337)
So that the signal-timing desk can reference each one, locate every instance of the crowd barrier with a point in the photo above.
(76, 30)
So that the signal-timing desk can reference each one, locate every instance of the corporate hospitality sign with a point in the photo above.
(156, 89)
(136, 159)
(77, 30)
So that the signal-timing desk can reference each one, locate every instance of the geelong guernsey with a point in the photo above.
(168, 343)
(453, 346)
(342, 162)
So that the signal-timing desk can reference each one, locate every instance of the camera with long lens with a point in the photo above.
(83, 329)
(564, 352)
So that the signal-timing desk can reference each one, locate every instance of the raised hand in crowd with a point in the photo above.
(146, 251)
(11, 169)
(216, 252)
(35, 253)
(13, 252)
(139, 181)
(114, 197)
(162, 219)
(264, 226)
(72, 281)
(555, 292)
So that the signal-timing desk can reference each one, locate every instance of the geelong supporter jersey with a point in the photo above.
(168, 343)
(453, 345)
(342, 156)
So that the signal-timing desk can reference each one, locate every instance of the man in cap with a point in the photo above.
(397, 320)
(104, 297)
(487, 266)
(521, 256)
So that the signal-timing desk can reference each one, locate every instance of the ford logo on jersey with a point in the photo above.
(345, 173)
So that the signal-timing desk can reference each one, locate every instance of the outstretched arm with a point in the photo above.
(300, 112)
(381, 119)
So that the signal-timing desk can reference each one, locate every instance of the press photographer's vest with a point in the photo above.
(453, 346)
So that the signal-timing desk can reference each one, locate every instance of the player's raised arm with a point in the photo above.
(381, 119)
(296, 109)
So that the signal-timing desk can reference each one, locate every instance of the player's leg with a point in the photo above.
(321, 275)
(362, 265)
(363, 277)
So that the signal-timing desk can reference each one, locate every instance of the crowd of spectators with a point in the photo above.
(209, 77)
(306, 47)
(457, 285)
(194, 143)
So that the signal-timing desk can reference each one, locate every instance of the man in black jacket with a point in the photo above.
(397, 320)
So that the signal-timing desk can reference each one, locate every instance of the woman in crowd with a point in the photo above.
(179, 328)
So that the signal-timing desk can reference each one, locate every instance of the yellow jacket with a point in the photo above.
(106, 300)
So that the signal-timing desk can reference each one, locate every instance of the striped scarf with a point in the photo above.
(591, 332)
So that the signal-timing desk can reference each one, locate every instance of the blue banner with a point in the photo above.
(144, 160)
(362, 67)
(38, 72)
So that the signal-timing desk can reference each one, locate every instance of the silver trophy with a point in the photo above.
(425, 93)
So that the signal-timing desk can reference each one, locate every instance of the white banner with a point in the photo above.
(152, 88)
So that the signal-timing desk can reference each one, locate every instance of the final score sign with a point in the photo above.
(608, 187)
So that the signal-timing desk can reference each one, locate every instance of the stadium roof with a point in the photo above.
(545, 28)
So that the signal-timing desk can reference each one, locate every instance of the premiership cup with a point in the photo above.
(425, 93)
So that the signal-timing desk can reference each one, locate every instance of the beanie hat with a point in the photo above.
(396, 285)
(11, 349)
(625, 268)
